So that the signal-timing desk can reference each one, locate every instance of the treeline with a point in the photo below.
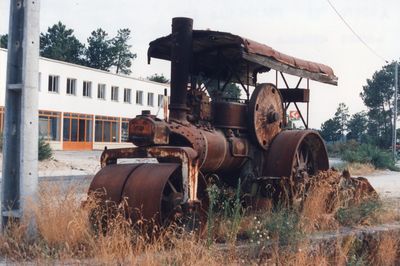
(101, 52)
(373, 126)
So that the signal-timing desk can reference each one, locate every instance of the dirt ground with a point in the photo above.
(85, 164)
(69, 163)
(386, 183)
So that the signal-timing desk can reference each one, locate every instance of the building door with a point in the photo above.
(77, 132)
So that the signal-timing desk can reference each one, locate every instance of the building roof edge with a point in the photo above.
(97, 70)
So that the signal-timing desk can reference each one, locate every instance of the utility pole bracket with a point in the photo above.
(15, 87)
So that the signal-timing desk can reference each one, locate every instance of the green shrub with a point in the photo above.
(213, 192)
(336, 149)
(44, 152)
(225, 208)
(354, 152)
(367, 153)
(281, 225)
(284, 225)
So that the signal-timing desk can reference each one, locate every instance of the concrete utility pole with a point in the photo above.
(395, 109)
(20, 147)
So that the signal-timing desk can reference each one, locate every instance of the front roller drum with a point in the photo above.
(151, 192)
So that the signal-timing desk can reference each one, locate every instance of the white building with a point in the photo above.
(83, 108)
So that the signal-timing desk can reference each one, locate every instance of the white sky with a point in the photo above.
(307, 29)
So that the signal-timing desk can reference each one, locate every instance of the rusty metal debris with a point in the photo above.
(207, 135)
(336, 189)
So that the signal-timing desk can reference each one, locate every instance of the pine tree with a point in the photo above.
(122, 56)
(99, 53)
(59, 43)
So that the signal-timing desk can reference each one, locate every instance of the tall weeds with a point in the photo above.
(69, 232)
(225, 214)
(72, 233)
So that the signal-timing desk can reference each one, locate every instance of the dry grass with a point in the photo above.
(305, 254)
(377, 250)
(388, 250)
(329, 199)
(360, 169)
(59, 218)
(389, 212)
(325, 203)
(67, 235)
(316, 214)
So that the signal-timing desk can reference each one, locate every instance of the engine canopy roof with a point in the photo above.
(219, 54)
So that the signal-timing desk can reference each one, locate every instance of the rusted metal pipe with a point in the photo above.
(181, 57)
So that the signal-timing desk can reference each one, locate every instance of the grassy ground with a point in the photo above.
(277, 235)
(360, 169)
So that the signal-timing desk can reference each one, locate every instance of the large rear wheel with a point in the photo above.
(294, 152)
(293, 156)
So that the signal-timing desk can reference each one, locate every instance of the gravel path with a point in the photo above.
(386, 183)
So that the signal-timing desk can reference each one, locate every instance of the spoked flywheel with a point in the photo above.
(266, 114)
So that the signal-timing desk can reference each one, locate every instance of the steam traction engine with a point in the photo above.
(207, 134)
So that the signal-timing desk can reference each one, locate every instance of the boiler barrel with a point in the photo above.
(223, 154)
(230, 115)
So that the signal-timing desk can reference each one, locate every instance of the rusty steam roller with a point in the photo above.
(207, 135)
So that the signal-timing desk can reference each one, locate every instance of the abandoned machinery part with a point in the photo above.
(210, 136)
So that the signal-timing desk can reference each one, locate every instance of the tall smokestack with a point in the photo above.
(181, 58)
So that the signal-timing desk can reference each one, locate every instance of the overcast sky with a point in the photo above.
(307, 29)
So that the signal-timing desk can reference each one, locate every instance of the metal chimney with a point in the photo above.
(181, 58)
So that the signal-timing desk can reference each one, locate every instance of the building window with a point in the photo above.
(53, 83)
(49, 125)
(139, 97)
(106, 129)
(114, 93)
(150, 99)
(127, 95)
(77, 127)
(124, 129)
(160, 100)
(71, 86)
(87, 89)
(101, 91)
